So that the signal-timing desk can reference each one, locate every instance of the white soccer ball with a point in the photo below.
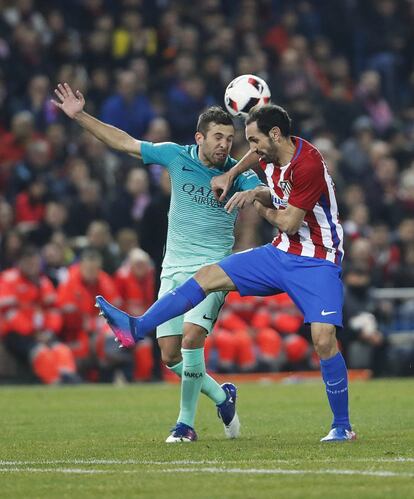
(245, 92)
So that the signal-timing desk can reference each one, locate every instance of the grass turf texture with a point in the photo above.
(104, 441)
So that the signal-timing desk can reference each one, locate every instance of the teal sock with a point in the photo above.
(194, 371)
(210, 387)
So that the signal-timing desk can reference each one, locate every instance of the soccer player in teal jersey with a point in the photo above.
(200, 232)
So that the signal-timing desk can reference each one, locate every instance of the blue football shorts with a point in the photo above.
(314, 284)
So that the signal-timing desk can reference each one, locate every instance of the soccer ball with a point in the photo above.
(245, 92)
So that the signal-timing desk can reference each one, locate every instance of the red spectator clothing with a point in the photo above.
(28, 307)
(306, 184)
(137, 293)
(26, 211)
(77, 302)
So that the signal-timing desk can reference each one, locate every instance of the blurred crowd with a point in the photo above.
(77, 219)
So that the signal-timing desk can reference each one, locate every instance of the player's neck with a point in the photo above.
(286, 151)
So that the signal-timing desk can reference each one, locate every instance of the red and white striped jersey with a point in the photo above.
(305, 183)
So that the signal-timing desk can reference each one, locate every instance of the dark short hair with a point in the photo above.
(214, 114)
(269, 116)
(90, 253)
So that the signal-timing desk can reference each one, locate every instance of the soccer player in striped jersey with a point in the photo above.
(303, 260)
(200, 231)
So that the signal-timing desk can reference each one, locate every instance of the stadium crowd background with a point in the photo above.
(76, 212)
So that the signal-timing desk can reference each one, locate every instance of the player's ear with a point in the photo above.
(199, 138)
(274, 133)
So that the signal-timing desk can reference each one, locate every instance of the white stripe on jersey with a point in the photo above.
(285, 242)
(308, 248)
(334, 210)
(270, 168)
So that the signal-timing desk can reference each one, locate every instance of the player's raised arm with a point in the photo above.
(72, 105)
(222, 184)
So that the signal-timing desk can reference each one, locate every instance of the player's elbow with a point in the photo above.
(289, 227)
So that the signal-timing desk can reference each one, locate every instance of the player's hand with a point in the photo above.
(240, 200)
(70, 103)
(221, 185)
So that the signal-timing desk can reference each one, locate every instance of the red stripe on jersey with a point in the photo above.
(295, 246)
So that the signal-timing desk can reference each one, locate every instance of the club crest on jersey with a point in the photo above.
(286, 187)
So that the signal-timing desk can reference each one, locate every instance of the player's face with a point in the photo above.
(215, 146)
(264, 145)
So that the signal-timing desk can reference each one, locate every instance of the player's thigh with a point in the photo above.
(205, 313)
(316, 287)
(255, 272)
(174, 326)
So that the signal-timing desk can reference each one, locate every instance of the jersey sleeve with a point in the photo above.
(162, 153)
(246, 181)
(308, 183)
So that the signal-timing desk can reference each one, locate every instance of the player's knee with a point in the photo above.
(170, 353)
(203, 277)
(324, 340)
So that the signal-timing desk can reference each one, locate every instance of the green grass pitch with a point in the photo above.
(107, 441)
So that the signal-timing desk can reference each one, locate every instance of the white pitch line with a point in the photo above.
(251, 471)
(281, 471)
(199, 462)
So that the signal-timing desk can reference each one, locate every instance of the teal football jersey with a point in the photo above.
(199, 230)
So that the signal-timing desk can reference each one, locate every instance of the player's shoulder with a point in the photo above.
(306, 155)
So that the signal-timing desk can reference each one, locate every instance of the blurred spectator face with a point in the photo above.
(30, 265)
(98, 234)
(99, 42)
(339, 69)
(189, 39)
(90, 266)
(56, 21)
(379, 150)
(56, 214)
(53, 255)
(127, 85)
(6, 216)
(37, 190)
(137, 182)
(78, 172)
(354, 194)
(126, 239)
(132, 21)
(13, 243)
(216, 144)
(322, 49)
(406, 190)
(330, 154)
(139, 262)
(55, 134)
(139, 67)
(158, 130)
(212, 65)
(195, 88)
(39, 88)
(406, 231)
(360, 215)
(100, 79)
(90, 192)
(380, 236)
(386, 171)
(370, 84)
(184, 66)
(38, 154)
(360, 252)
(22, 125)
(290, 61)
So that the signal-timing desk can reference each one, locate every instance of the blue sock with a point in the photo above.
(335, 376)
(174, 303)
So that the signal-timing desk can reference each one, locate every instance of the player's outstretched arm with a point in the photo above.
(222, 184)
(72, 105)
